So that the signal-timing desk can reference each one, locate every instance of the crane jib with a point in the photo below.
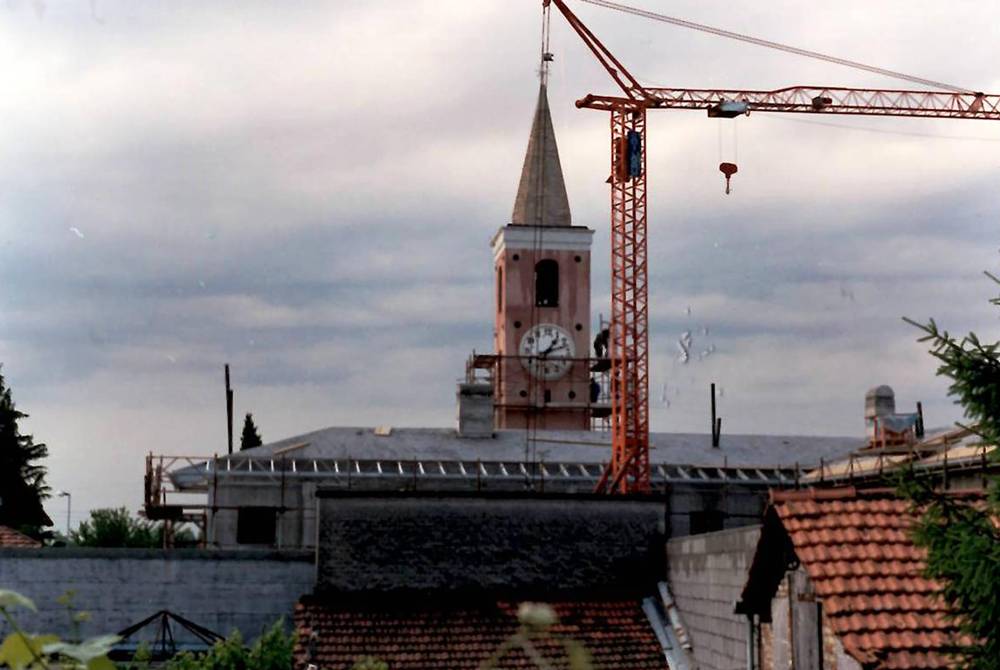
(628, 470)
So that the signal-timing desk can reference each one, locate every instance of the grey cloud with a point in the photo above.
(308, 192)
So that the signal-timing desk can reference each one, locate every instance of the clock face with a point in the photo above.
(546, 351)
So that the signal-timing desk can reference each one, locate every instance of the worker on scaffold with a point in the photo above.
(601, 343)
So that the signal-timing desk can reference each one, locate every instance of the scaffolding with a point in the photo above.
(185, 487)
(591, 375)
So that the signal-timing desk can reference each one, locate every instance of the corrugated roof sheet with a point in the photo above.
(863, 564)
(461, 636)
(11, 538)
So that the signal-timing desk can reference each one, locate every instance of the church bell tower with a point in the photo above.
(541, 267)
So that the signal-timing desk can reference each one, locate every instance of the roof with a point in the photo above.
(554, 446)
(954, 449)
(461, 635)
(857, 551)
(512, 546)
(541, 194)
(11, 538)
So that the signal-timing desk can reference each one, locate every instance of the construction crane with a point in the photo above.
(628, 469)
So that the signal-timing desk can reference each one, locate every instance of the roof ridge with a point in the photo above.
(852, 493)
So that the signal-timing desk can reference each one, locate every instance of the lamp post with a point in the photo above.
(69, 502)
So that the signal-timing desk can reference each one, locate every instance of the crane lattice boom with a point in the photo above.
(628, 470)
(815, 100)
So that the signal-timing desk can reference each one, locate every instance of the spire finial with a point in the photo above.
(541, 194)
(546, 55)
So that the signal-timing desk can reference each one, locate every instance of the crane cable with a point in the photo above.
(774, 45)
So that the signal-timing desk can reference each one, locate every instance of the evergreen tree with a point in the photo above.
(251, 437)
(22, 478)
(962, 538)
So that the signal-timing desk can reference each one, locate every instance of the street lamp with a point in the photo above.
(69, 502)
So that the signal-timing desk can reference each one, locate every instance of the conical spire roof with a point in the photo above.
(541, 196)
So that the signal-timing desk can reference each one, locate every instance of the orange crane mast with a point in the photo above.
(628, 470)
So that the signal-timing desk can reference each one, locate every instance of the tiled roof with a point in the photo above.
(867, 571)
(11, 538)
(461, 636)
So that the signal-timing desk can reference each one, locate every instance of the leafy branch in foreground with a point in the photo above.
(536, 633)
(21, 651)
(961, 535)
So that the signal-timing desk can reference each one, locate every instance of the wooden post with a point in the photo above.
(229, 410)
(716, 422)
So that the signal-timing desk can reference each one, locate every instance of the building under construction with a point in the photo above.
(532, 415)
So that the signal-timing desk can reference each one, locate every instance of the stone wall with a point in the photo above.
(222, 591)
(706, 575)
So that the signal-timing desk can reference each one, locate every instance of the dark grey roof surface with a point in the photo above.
(554, 446)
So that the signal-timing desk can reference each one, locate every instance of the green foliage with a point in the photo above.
(22, 478)
(21, 651)
(370, 663)
(272, 651)
(142, 659)
(251, 436)
(12, 599)
(961, 538)
(117, 528)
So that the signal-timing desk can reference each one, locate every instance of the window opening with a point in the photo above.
(547, 283)
(705, 521)
(256, 525)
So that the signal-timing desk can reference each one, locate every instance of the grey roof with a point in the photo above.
(541, 194)
(554, 446)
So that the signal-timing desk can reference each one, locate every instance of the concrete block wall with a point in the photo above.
(706, 575)
(222, 591)
(295, 502)
(741, 505)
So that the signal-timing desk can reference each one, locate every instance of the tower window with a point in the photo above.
(499, 288)
(547, 283)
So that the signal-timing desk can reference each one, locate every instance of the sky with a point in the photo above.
(307, 190)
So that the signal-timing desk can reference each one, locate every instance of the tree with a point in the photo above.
(272, 651)
(250, 437)
(962, 537)
(110, 527)
(115, 528)
(22, 478)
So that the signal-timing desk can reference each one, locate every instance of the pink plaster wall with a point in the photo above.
(517, 299)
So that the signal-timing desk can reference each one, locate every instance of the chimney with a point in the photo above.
(475, 409)
(880, 402)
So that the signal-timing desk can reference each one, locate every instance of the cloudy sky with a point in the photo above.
(306, 190)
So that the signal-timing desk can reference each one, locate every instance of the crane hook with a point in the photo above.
(728, 169)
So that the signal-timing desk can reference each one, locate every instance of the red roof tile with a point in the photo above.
(11, 538)
(863, 564)
(459, 637)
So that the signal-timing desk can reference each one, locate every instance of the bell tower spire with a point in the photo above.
(541, 194)
(541, 261)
